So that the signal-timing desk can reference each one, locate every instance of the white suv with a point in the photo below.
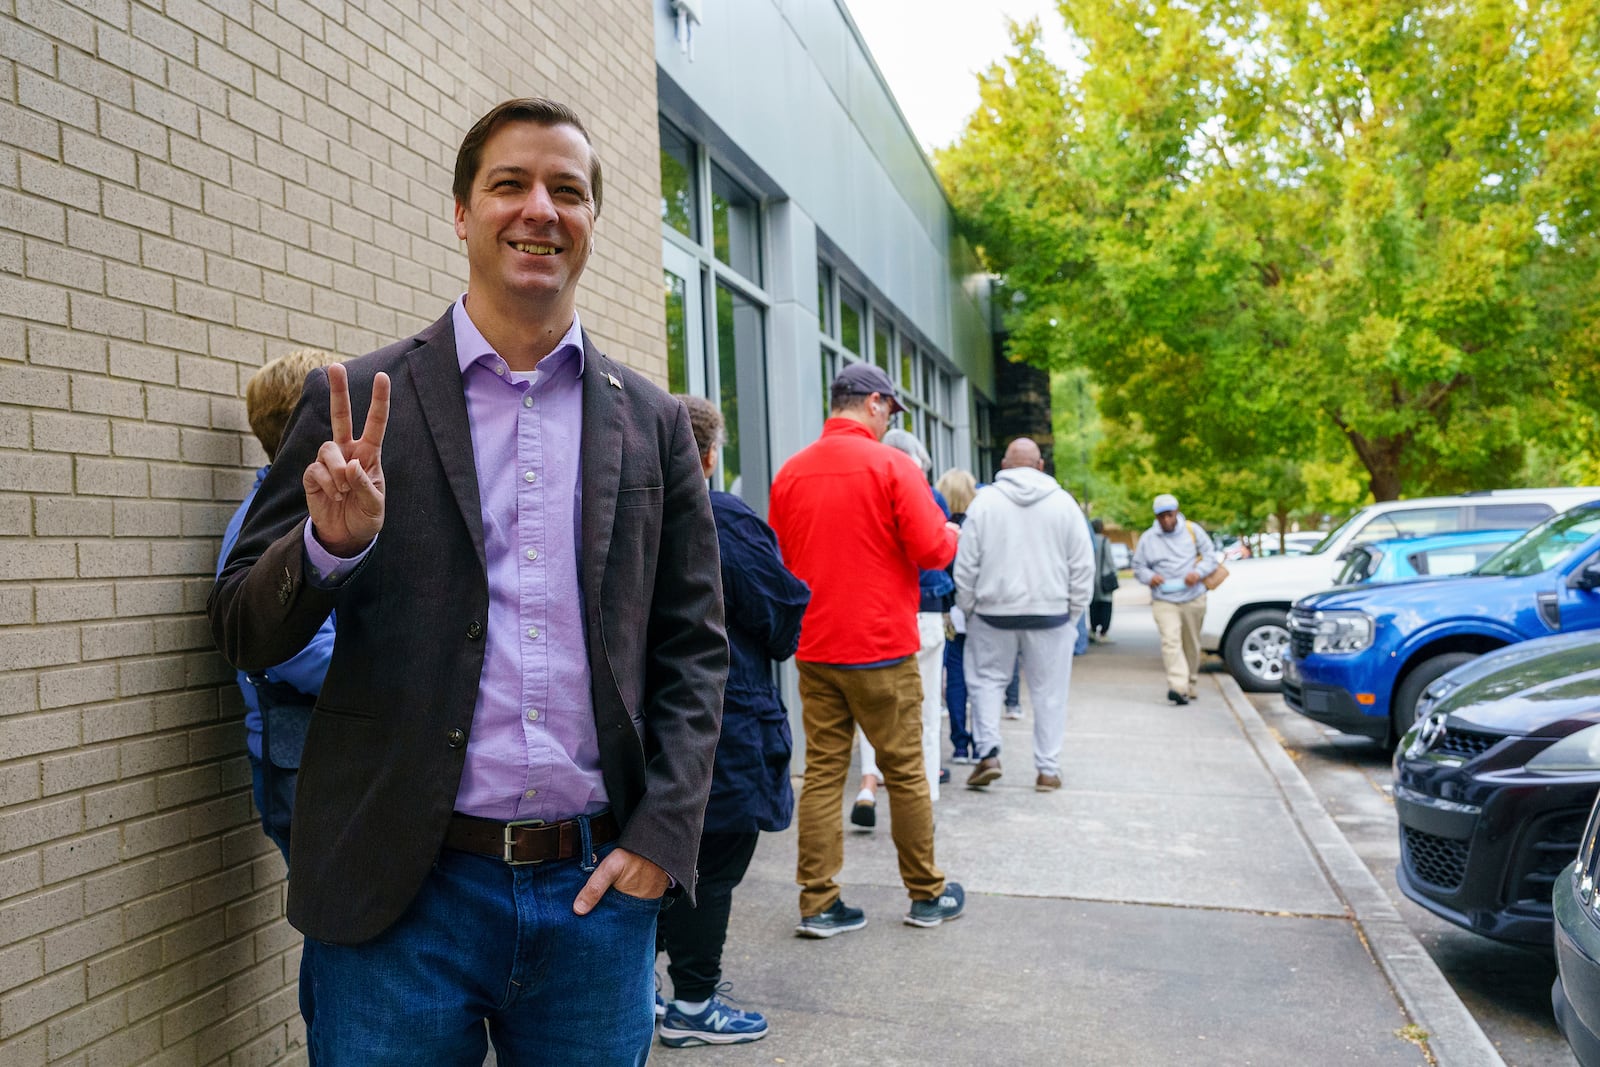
(1245, 616)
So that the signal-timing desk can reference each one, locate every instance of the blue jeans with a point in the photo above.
(1082, 644)
(955, 692)
(488, 941)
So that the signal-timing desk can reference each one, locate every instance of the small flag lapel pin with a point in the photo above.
(612, 378)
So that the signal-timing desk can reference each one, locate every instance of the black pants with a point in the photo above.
(1099, 616)
(693, 937)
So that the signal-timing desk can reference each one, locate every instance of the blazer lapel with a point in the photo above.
(602, 467)
(437, 374)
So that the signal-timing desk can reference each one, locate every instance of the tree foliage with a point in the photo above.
(1287, 237)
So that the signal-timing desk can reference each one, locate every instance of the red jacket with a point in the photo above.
(855, 522)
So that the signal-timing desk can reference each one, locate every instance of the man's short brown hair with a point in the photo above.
(537, 110)
(705, 421)
(274, 390)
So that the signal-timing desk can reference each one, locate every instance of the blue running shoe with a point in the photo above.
(719, 1024)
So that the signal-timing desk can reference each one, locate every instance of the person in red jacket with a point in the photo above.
(855, 522)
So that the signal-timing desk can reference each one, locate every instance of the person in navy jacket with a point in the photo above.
(750, 788)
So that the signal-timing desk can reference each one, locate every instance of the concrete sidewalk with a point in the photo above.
(1182, 900)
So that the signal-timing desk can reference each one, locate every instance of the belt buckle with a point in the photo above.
(510, 840)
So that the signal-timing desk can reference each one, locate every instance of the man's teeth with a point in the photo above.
(534, 250)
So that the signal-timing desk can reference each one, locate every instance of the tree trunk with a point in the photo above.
(1381, 456)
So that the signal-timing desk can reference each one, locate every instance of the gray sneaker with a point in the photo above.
(947, 905)
(839, 918)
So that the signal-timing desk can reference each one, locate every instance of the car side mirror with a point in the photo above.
(1587, 578)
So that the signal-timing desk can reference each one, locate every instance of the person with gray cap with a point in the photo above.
(856, 522)
(1173, 558)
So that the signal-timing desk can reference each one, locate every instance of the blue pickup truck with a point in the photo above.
(1360, 656)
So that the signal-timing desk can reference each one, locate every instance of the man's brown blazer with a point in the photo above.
(384, 755)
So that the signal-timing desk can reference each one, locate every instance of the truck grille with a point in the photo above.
(1439, 861)
(1302, 632)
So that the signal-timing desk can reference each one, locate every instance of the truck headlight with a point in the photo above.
(1577, 753)
(1341, 631)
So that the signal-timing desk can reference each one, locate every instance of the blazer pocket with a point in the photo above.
(641, 497)
(346, 714)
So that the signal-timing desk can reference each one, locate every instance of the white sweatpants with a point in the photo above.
(1046, 667)
(930, 665)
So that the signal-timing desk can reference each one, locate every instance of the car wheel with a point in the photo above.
(1403, 708)
(1255, 648)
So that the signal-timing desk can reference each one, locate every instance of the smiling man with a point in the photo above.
(507, 768)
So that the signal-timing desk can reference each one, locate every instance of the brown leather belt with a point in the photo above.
(528, 842)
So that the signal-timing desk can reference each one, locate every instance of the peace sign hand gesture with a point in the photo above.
(344, 485)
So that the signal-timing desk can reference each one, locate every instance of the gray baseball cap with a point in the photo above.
(864, 379)
(1166, 502)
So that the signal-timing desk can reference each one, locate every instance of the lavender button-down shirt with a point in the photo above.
(533, 752)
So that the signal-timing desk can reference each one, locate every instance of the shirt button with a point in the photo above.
(527, 401)
(530, 794)
(533, 714)
(533, 553)
(528, 477)
(533, 631)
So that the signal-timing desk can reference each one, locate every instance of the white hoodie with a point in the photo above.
(1025, 550)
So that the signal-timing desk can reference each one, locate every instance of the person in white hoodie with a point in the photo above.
(1024, 573)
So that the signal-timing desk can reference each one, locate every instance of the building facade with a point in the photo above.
(191, 187)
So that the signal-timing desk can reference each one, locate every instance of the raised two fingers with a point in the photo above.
(339, 417)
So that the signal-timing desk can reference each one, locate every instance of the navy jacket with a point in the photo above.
(750, 787)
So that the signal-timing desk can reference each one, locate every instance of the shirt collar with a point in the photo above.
(472, 347)
(836, 424)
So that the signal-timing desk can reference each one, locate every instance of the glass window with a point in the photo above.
(735, 225)
(1417, 522)
(1509, 516)
(850, 313)
(824, 299)
(738, 341)
(677, 334)
(828, 374)
(882, 353)
(1361, 565)
(1545, 546)
(678, 203)
(908, 373)
(929, 381)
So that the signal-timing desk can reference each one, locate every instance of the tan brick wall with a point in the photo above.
(187, 188)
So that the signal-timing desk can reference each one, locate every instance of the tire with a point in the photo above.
(1254, 650)
(1403, 706)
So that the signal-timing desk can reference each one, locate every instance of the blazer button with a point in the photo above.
(455, 738)
(475, 629)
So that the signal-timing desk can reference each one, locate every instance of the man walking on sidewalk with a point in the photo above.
(1024, 574)
(855, 522)
(1173, 558)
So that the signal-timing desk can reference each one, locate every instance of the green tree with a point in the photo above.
(1283, 232)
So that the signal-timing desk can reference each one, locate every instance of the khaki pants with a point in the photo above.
(1179, 625)
(886, 702)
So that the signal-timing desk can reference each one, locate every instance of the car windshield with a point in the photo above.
(1322, 545)
(1546, 545)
